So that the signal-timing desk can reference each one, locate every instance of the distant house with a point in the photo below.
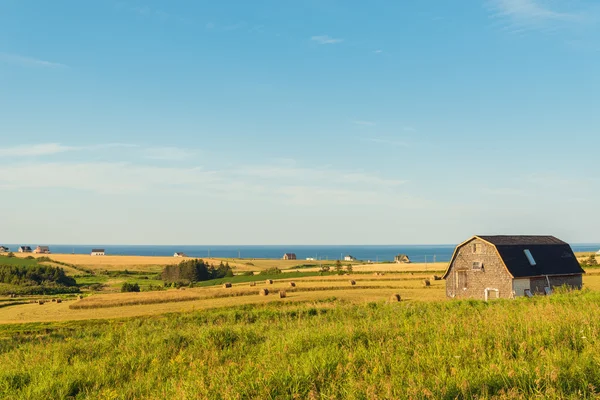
(402, 259)
(181, 255)
(42, 250)
(289, 256)
(310, 259)
(4, 249)
(24, 249)
(97, 252)
(487, 267)
(349, 258)
(598, 253)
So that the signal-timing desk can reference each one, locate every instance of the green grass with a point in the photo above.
(17, 261)
(521, 349)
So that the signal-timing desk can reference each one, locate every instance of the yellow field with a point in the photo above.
(155, 264)
(118, 305)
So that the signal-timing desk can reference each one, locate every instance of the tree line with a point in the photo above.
(34, 275)
(197, 270)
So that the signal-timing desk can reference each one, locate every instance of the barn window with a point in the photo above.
(529, 257)
(477, 265)
(461, 279)
(477, 248)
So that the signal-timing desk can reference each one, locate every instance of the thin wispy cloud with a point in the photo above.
(48, 149)
(325, 39)
(28, 61)
(167, 153)
(364, 123)
(42, 149)
(388, 142)
(520, 15)
(378, 51)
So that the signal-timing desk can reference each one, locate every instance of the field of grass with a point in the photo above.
(546, 347)
(156, 264)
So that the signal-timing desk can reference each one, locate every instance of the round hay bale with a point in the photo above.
(264, 292)
(80, 297)
(395, 298)
(226, 285)
(54, 300)
(282, 294)
(59, 301)
(269, 281)
(292, 284)
(352, 282)
(426, 282)
(252, 283)
(40, 302)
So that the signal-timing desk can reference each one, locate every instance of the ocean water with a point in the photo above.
(417, 253)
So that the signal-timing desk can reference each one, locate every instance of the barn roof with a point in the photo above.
(551, 256)
(97, 250)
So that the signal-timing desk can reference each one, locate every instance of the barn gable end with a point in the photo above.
(477, 271)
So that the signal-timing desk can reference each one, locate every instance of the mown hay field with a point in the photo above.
(541, 348)
(117, 305)
(156, 264)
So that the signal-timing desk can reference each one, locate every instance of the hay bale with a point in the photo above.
(269, 281)
(252, 283)
(80, 297)
(426, 282)
(54, 300)
(40, 302)
(352, 282)
(226, 285)
(282, 294)
(264, 292)
(395, 298)
(58, 301)
(292, 284)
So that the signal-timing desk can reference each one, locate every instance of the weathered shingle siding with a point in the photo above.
(494, 275)
(539, 283)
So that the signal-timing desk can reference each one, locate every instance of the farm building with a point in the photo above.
(289, 256)
(98, 252)
(180, 255)
(24, 249)
(402, 259)
(486, 267)
(42, 250)
(349, 258)
(4, 249)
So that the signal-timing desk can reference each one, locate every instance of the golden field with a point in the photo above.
(155, 264)
(368, 288)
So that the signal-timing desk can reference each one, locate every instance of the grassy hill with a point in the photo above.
(545, 347)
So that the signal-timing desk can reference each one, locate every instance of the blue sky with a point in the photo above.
(298, 122)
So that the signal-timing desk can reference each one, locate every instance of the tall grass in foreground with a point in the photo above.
(521, 349)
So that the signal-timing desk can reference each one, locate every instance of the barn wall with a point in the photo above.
(538, 284)
(519, 286)
(494, 275)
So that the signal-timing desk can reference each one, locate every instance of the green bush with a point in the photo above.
(130, 287)
(34, 275)
(271, 271)
(195, 271)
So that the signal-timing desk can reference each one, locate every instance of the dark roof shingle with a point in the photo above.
(552, 256)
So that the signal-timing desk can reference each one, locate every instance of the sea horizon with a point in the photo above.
(416, 252)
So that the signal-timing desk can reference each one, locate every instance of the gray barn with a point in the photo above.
(486, 267)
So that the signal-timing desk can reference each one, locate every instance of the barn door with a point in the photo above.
(461, 280)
